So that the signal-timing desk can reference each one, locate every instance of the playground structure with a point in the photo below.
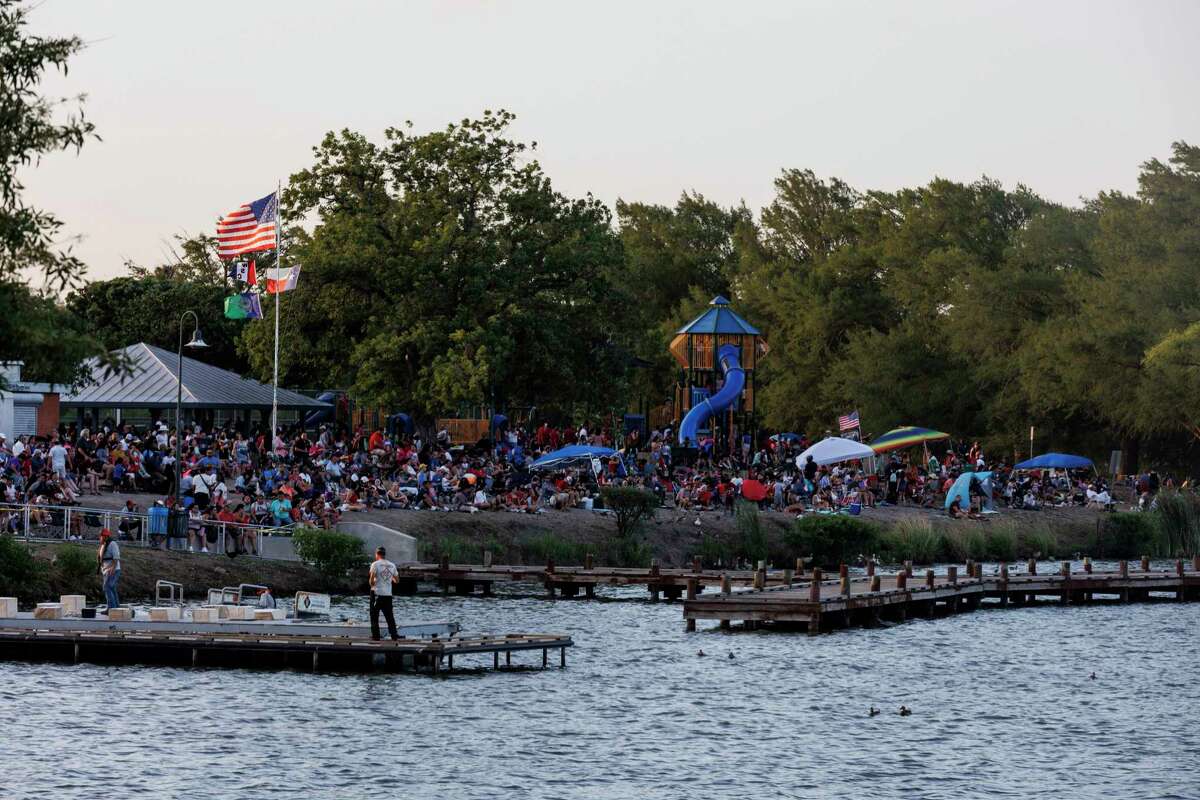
(718, 352)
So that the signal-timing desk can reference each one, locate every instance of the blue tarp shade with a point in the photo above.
(1056, 461)
(572, 454)
(962, 490)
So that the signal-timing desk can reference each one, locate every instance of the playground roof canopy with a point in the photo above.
(720, 318)
(152, 383)
(1055, 461)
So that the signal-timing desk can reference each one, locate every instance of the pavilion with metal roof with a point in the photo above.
(152, 384)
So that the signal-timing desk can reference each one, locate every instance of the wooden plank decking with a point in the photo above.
(821, 604)
(35, 641)
(570, 581)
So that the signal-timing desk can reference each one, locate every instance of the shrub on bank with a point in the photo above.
(331, 553)
(1129, 534)
(75, 566)
(832, 540)
(630, 506)
(752, 540)
(1178, 529)
(20, 573)
(913, 540)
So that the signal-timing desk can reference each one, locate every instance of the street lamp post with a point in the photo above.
(197, 342)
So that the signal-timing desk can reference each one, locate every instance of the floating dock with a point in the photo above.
(430, 647)
(560, 581)
(819, 604)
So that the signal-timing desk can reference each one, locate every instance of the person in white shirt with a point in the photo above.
(382, 575)
(58, 460)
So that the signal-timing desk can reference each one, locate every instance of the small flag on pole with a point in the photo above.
(243, 306)
(282, 280)
(249, 228)
(848, 422)
(243, 271)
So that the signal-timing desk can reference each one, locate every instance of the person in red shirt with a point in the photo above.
(376, 442)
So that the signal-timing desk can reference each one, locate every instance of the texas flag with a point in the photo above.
(282, 280)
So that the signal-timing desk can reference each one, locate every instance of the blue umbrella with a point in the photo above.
(1056, 461)
(571, 454)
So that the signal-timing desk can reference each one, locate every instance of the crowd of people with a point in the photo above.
(229, 476)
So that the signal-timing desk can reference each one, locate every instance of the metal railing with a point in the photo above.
(45, 523)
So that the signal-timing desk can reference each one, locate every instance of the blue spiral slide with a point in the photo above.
(735, 381)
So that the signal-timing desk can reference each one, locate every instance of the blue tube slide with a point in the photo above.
(735, 381)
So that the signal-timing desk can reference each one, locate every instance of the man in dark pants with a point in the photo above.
(382, 575)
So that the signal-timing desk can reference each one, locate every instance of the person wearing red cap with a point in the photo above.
(109, 560)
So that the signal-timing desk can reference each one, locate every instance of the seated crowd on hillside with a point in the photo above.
(230, 477)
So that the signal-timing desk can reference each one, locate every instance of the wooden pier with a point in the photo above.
(335, 649)
(818, 603)
(573, 581)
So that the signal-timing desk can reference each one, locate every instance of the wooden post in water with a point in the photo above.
(550, 564)
(487, 559)
(1123, 568)
(1065, 569)
(1179, 567)
(726, 584)
(799, 566)
(874, 583)
(970, 568)
(952, 574)
(1145, 563)
(1065, 572)
(787, 577)
(814, 588)
(870, 568)
(691, 595)
(843, 571)
(845, 587)
(695, 563)
(1195, 563)
(587, 561)
(1031, 566)
(902, 581)
(444, 565)
(928, 579)
(1003, 583)
(760, 579)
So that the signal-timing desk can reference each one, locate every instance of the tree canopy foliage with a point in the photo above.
(33, 327)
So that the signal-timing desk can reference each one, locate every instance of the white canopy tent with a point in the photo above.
(835, 450)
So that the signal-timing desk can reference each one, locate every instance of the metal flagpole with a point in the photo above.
(278, 267)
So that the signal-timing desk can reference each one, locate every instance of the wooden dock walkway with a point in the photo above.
(179, 644)
(820, 604)
(571, 581)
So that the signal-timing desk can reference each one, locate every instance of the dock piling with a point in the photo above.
(1145, 563)
(902, 581)
(928, 579)
(814, 588)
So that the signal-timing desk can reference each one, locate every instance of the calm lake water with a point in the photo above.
(1002, 707)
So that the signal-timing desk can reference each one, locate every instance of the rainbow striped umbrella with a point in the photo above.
(908, 436)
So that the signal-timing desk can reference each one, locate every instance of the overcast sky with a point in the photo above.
(205, 105)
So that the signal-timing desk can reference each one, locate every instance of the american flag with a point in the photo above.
(848, 422)
(249, 228)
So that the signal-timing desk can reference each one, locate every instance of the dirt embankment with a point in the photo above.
(141, 568)
(673, 537)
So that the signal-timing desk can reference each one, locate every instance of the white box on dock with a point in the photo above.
(240, 612)
(48, 611)
(120, 614)
(72, 604)
(205, 614)
(165, 614)
(8, 607)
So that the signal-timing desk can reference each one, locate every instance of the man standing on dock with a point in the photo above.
(382, 575)
(108, 560)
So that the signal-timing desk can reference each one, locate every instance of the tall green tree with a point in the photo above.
(445, 271)
(31, 126)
